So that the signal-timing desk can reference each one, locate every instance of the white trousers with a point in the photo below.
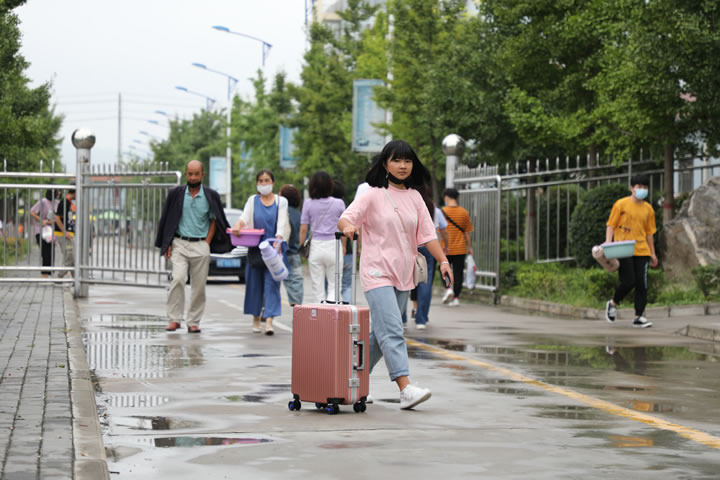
(193, 257)
(322, 266)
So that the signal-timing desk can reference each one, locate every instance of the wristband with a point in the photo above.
(444, 263)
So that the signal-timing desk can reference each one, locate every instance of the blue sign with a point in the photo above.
(366, 137)
(287, 147)
(218, 175)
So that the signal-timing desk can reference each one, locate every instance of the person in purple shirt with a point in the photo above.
(320, 215)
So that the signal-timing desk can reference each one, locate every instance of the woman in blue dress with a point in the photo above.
(270, 212)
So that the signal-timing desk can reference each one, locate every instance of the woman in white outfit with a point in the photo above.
(320, 215)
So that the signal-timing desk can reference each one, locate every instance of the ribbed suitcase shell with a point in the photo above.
(323, 350)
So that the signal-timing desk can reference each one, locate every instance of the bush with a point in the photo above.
(589, 219)
(707, 279)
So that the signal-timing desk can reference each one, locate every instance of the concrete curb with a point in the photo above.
(596, 314)
(89, 462)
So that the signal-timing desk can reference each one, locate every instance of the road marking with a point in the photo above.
(683, 431)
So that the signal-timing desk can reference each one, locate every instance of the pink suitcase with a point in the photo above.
(330, 351)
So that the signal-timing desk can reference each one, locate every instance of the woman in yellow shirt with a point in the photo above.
(632, 218)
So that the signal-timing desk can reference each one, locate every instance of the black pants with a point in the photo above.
(45, 252)
(633, 274)
(457, 263)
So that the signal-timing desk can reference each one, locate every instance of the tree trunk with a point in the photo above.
(530, 233)
(668, 192)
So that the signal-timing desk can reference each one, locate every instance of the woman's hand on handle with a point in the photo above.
(237, 227)
(347, 228)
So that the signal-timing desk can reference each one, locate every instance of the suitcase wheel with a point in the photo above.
(294, 405)
(320, 406)
(359, 407)
(332, 409)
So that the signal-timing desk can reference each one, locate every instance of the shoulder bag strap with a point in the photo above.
(451, 221)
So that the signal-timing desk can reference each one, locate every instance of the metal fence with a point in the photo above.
(536, 200)
(123, 210)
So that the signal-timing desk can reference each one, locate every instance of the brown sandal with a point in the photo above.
(194, 329)
(172, 326)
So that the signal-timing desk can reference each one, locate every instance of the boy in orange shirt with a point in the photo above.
(632, 218)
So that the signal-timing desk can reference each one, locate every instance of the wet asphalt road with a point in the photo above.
(514, 396)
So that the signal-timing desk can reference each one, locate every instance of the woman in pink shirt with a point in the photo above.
(397, 179)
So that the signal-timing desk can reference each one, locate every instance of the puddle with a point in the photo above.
(264, 394)
(567, 412)
(167, 442)
(348, 445)
(143, 423)
(132, 400)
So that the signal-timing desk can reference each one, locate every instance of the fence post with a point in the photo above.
(83, 139)
(453, 147)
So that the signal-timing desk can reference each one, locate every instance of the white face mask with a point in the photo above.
(264, 189)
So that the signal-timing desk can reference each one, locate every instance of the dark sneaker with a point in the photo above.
(610, 312)
(641, 322)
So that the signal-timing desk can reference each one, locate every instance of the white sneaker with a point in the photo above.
(369, 399)
(448, 296)
(455, 302)
(641, 322)
(420, 326)
(411, 396)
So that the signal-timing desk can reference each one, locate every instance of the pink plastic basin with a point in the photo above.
(249, 237)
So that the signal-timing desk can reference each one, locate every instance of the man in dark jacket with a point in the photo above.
(192, 224)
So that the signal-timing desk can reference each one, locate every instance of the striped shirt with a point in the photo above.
(456, 242)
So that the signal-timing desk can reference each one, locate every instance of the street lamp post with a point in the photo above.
(265, 45)
(232, 82)
(209, 101)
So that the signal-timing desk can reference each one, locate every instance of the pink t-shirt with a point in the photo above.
(387, 251)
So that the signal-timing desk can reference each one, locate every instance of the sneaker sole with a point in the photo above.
(644, 325)
(417, 402)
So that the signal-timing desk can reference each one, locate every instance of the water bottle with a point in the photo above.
(273, 261)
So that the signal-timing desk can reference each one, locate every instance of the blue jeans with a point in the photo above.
(294, 281)
(386, 335)
(261, 292)
(424, 290)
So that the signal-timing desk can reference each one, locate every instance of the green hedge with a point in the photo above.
(589, 219)
(708, 281)
(561, 283)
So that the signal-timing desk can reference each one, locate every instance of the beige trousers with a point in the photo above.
(192, 257)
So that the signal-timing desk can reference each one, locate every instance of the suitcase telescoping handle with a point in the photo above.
(338, 271)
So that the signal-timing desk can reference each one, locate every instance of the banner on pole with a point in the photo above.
(366, 138)
(287, 147)
(218, 174)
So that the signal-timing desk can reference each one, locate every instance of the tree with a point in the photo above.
(419, 94)
(324, 116)
(647, 77)
(256, 135)
(28, 125)
(197, 138)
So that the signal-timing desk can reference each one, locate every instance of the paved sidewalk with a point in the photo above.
(49, 427)
(35, 407)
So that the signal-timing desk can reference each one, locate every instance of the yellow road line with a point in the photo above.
(687, 432)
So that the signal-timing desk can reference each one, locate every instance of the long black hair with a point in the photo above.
(377, 175)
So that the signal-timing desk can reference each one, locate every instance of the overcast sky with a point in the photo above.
(92, 50)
